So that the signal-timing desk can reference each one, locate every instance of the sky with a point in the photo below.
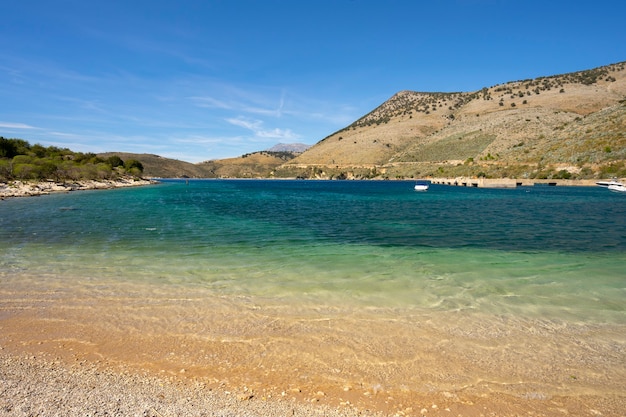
(199, 80)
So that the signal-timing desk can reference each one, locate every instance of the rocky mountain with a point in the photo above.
(563, 126)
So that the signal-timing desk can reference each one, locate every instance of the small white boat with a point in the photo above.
(609, 183)
(421, 186)
(620, 188)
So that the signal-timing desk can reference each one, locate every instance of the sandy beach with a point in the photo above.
(76, 354)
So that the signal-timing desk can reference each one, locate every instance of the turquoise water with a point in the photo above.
(555, 252)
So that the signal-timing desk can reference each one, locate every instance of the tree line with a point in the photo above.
(19, 160)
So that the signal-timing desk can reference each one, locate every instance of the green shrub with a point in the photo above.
(20, 160)
(131, 164)
(25, 171)
(563, 174)
(8, 148)
(115, 161)
(23, 159)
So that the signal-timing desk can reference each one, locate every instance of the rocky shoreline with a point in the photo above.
(37, 188)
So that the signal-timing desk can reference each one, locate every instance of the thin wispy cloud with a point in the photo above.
(258, 101)
(9, 125)
(64, 135)
(253, 125)
(257, 127)
(37, 68)
(210, 102)
(13, 75)
(283, 134)
(208, 140)
(90, 105)
(266, 102)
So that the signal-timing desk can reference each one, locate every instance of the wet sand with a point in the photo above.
(146, 349)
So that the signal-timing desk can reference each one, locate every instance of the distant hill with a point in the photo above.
(155, 166)
(289, 147)
(253, 165)
(549, 127)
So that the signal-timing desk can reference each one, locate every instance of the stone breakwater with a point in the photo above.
(35, 188)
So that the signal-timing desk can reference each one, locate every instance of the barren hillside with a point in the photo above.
(568, 125)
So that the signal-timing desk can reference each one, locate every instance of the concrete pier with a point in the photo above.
(509, 182)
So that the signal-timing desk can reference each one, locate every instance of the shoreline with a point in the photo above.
(76, 352)
(469, 182)
(38, 188)
(18, 188)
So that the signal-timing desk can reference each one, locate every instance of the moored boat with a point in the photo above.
(609, 183)
(421, 186)
(620, 188)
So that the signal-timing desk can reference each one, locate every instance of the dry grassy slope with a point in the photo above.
(258, 164)
(563, 119)
(375, 138)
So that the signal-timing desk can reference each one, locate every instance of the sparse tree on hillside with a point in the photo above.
(133, 167)
(8, 148)
(115, 161)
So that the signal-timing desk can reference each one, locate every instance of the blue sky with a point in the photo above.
(198, 80)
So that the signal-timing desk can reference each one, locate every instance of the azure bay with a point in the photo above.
(339, 286)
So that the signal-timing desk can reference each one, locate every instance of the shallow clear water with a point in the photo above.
(555, 252)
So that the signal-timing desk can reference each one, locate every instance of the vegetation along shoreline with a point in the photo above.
(32, 170)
